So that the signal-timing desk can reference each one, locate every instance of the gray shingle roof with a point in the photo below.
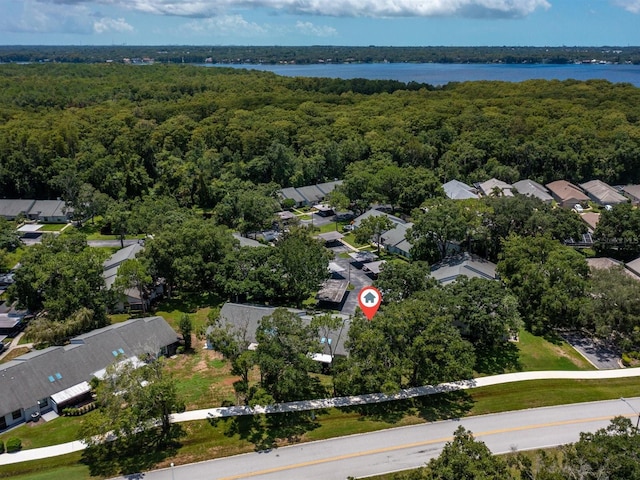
(377, 213)
(48, 208)
(127, 253)
(532, 189)
(310, 193)
(248, 317)
(42, 373)
(449, 269)
(456, 190)
(11, 208)
(602, 193)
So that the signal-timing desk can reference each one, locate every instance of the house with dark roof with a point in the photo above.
(603, 194)
(566, 194)
(377, 213)
(465, 264)
(533, 189)
(57, 377)
(310, 194)
(246, 318)
(131, 298)
(11, 208)
(50, 211)
(395, 240)
(457, 190)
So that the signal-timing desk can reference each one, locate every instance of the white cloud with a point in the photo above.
(226, 25)
(309, 28)
(111, 25)
(352, 8)
(37, 17)
(632, 6)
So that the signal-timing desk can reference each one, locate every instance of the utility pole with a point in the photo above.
(634, 410)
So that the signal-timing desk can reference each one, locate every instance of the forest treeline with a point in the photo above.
(199, 134)
(319, 54)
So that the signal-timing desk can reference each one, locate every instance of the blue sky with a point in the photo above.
(321, 22)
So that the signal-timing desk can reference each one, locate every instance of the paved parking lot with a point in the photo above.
(355, 276)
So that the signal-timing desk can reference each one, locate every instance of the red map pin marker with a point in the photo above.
(369, 299)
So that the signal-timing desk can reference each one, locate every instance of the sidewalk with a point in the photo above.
(61, 449)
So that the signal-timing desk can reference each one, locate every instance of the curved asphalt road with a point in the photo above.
(406, 447)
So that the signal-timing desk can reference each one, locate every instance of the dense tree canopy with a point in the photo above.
(187, 132)
(63, 277)
(548, 279)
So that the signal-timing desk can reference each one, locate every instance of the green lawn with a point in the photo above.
(52, 227)
(42, 434)
(537, 353)
(64, 467)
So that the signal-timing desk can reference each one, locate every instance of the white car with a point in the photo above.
(578, 208)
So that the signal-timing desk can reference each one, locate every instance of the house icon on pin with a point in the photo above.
(369, 298)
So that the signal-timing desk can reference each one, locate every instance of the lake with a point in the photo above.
(441, 73)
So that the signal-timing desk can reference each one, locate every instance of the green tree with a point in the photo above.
(284, 344)
(399, 280)
(61, 276)
(118, 215)
(372, 228)
(133, 273)
(618, 232)
(304, 264)
(465, 458)
(610, 452)
(9, 237)
(186, 327)
(135, 407)
(548, 279)
(612, 308)
(435, 227)
(487, 313)
(233, 342)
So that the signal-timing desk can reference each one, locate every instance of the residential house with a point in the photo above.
(495, 188)
(567, 194)
(50, 211)
(309, 195)
(456, 190)
(632, 192)
(10, 209)
(247, 242)
(606, 263)
(377, 213)
(603, 194)
(591, 219)
(448, 270)
(246, 318)
(131, 300)
(634, 267)
(57, 377)
(395, 241)
(533, 189)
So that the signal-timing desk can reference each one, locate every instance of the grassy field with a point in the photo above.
(16, 352)
(52, 227)
(204, 380)
(538, 353)
(233, 436)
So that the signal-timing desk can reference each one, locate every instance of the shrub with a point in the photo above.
(1, 446)
(626, 360)
(13, 445)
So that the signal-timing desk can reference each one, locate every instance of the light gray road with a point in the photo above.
(356, 277)
(406, 447)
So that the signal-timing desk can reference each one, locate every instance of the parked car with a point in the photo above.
(349, 228)
(344, 217)
(578, 208)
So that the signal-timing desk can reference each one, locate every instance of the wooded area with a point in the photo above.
(318, 54)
